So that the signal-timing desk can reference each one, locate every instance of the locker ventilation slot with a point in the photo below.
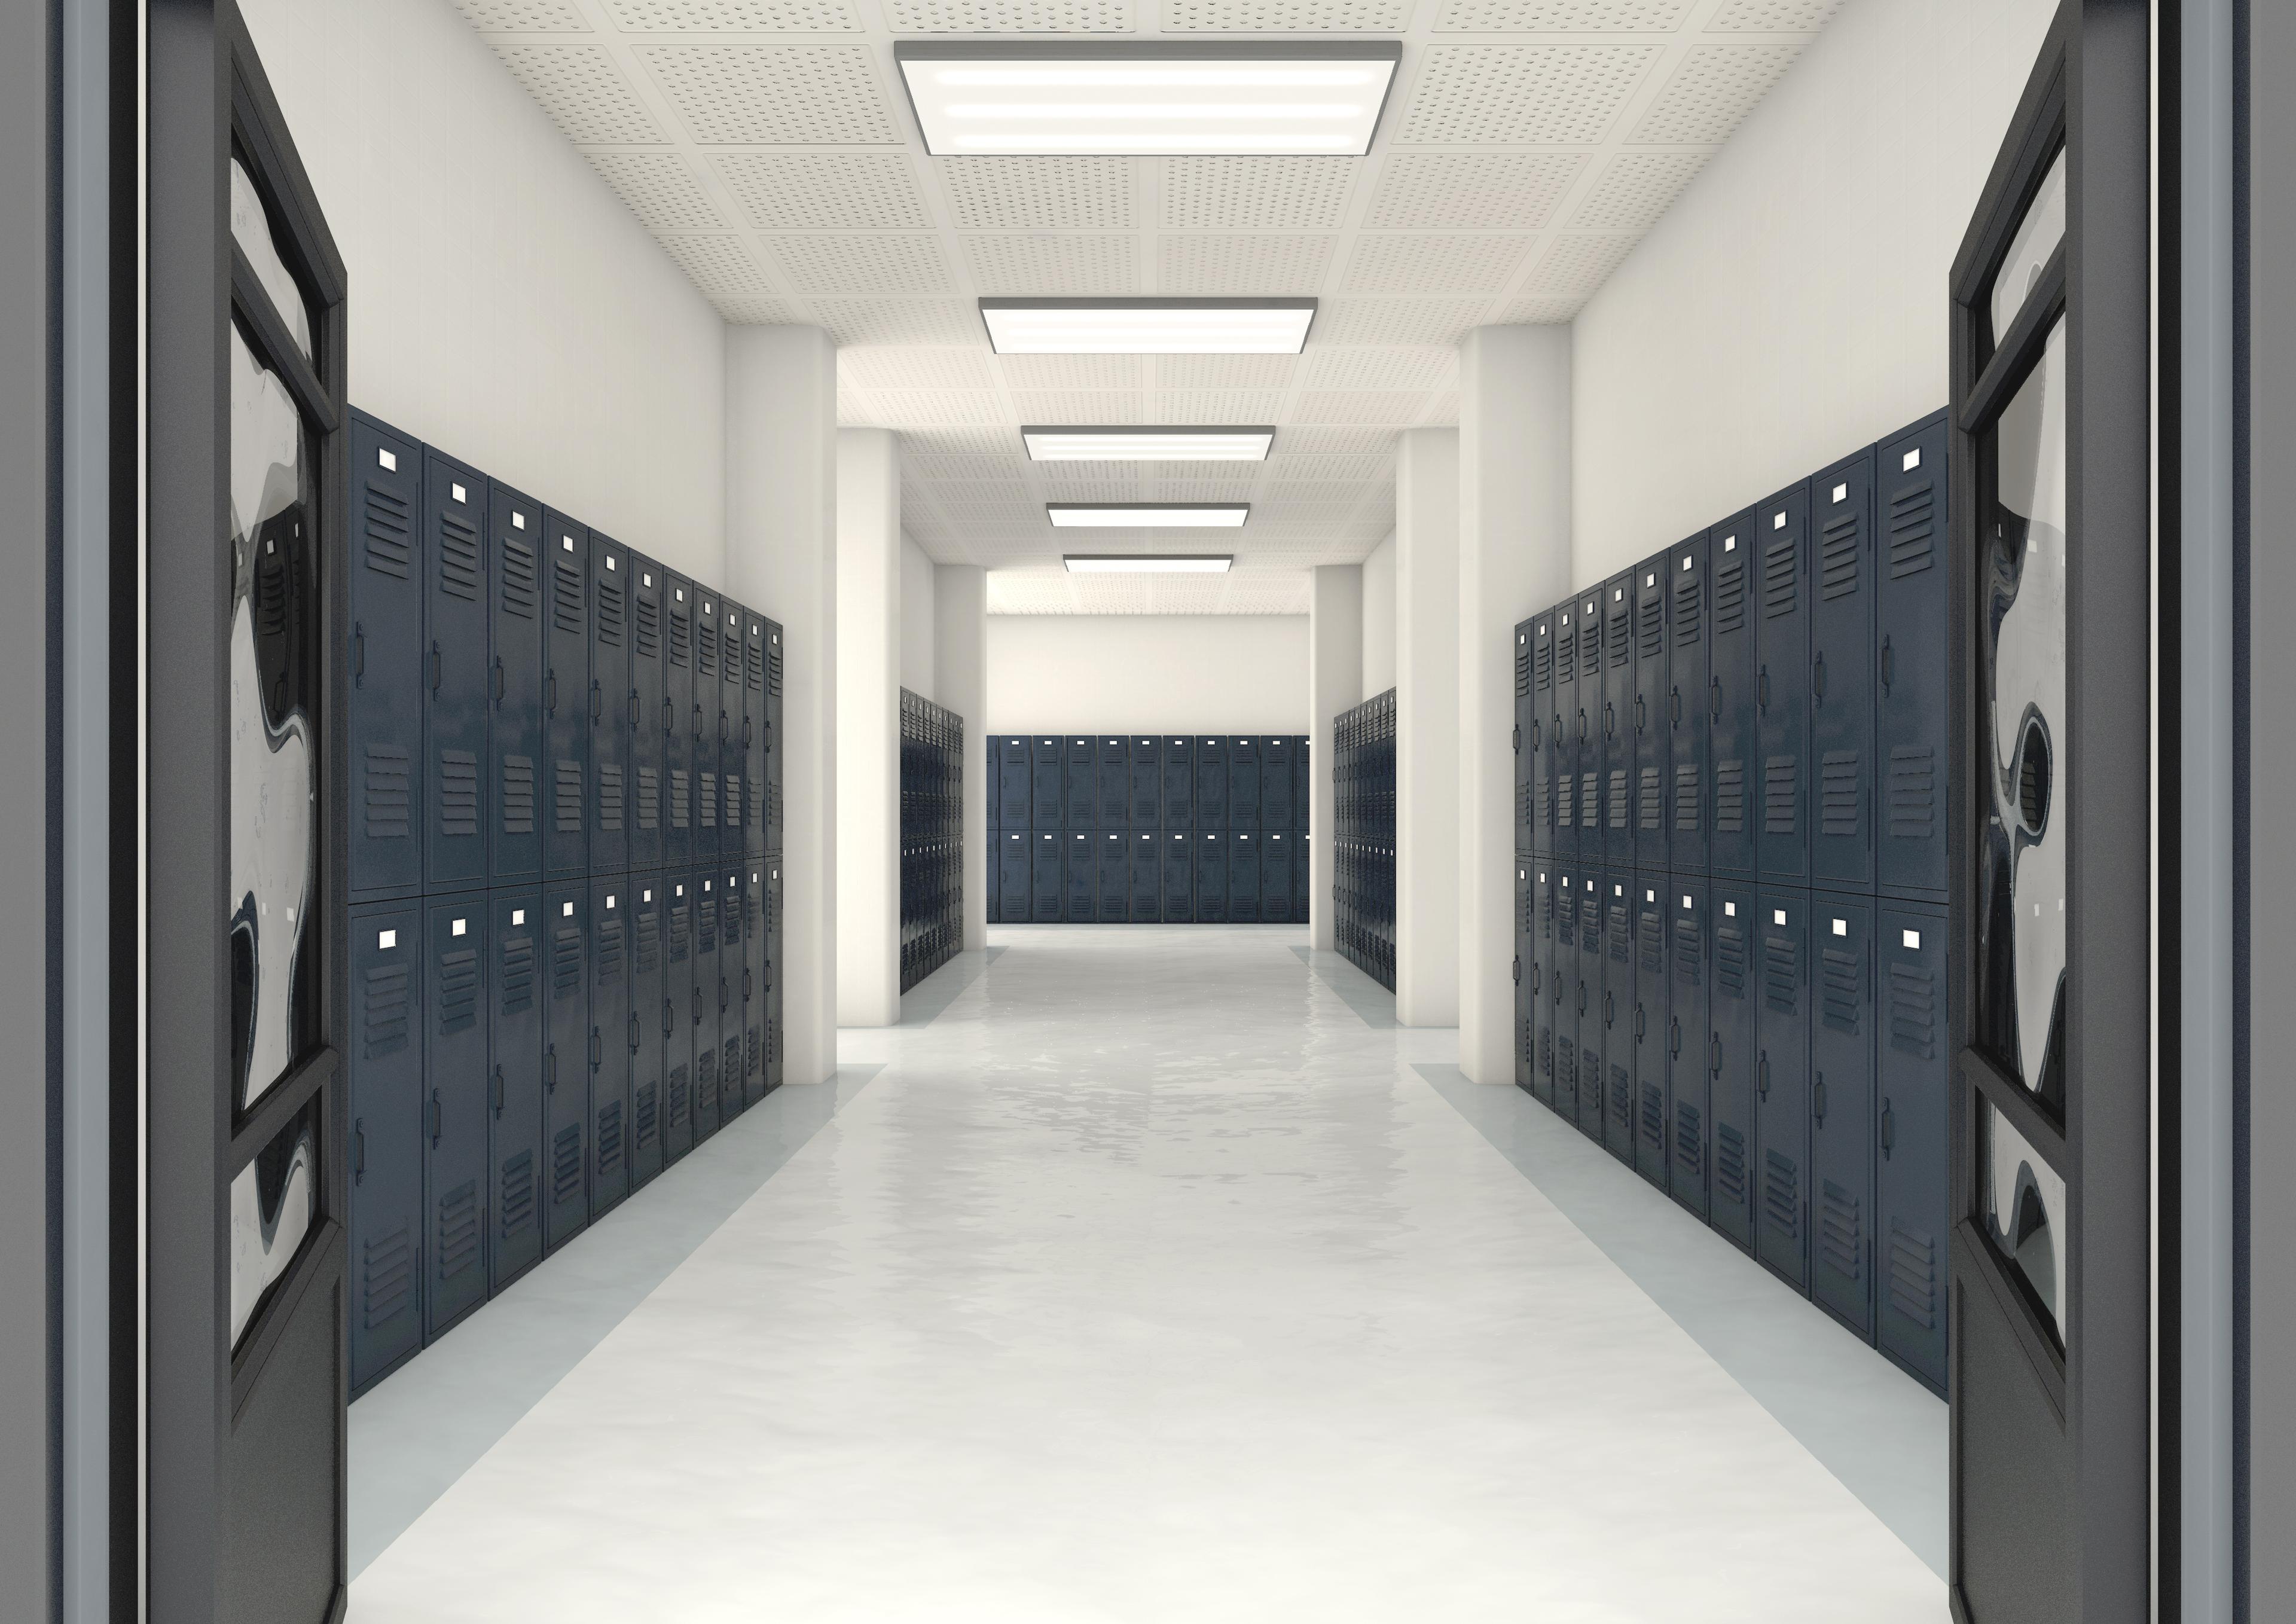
(517, 1193)
(386, 1277)
(1590, 648)
(1651, 934)
(609, 613)
(1654, 1126)
(1837, 792)
(1622, 1095)
(754, 1053)
(1730, 593)
(518, 794)
(1522, 674)
(609, 1139)
(753, 669)
(390, 543)
(1653, 628)
(705, 803)
(1685, 952)
(1729, 798)
(646, 938)
(1590, 791)
(1842, 976)
(1781, 969)
(566, 805)
(649, 798)
(1913, 793)
(1565, 806)
(646, 1113)
(681, 799)
(1913, 1011)
(1622, 644)
(388, 801)
(1689, 1144)
(1730, 962)
(517, 975)
(1780, 784)
(1837, 558)
(1543, 670)
(705, 1079)
(610, 952)
(1782, 1195)
(566, 1166)
(1685, 799)
(772, 673)
(705, 655)
(681, 1104)
(1730, 1164)
(1566, 1069)
(386, 1003)
(609, 798)
(1618, 797)
(1649, 813)
(1621, 934)
(1686, 609)
(566, 961)
(458, 989)
(1781, 578)
(459, 567)
(519, 592)
(681, 640)
(458, 792)
(733, 788)
(566, 596)
(1912, 530)
(1842, 1231)
(458, 1229)
(649, 627)
(1913, 1275)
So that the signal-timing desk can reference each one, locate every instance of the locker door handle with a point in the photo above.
(1582, 727)
(1674, 1038)
(1518, 740)
(438, 671)
(1817, 1098)
(597, 1049)
(497, 1096)
(1818, 680)
(550, 1070)
(1610, 721)
(1762, 690)
(668, 716)
(1713, 1054)
(1674, 706)
(1642, 714)
(1610, 1010)
(434, 1115)
(1582, 998)
(1714, 698)
(1889, 663)
(668, 1018)
(1538, 979)
(1762, 1075)
(635, 1031)
(748, 985)
(550, 693)
(1639, 1023)
(725, 995)
(697, 1007)
(358, 1150)
(749, 733)
(697, 719)
(358, 655)
(597, 704)
(1518, 970)
(633, 711)
(1889, 1128)
(498, 679)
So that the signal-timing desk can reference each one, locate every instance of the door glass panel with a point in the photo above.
(273, 1202)
(2025, 1211)
(273, 784)
(2019, 1016)
(250, 228)
(2039, 233)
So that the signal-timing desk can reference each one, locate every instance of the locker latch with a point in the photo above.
(358, 655)
(1518, 970)
(1674, 706)
(1610, 721)
(1889, 663)
(498, 679)
(597, 1050)
(635, 1032)
(1674, 1036)
(1889, 1127)
(1762, 689)
(1762, 1075)
(1817, 1098)
(1638, 1023)
(1714, 698)
(437, 673)
(495, 1092)
(1642, 714)
(1518, 740)
(597, 704)
(431, 1111)
(1818, 680)
(550, 1070)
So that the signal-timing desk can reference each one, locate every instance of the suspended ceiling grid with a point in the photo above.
(1526, 145)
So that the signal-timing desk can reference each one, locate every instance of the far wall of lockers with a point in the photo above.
(1731, 797)
(932, 837)
(565, 881)
(1113, 828)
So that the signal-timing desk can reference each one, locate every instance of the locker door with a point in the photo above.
(388, 1110)
(704, 719)
(1147, 783)
(757, 736)
(1243, 876)
(1243, 789)
(1841, 1110)
(1843, 589)
(1211, 796)
(771, 733)
(1179, 879)
(679, 897)
(1146, 906)
(1014, 785)
(610, 720)
(702, 1000)
(757, 978)
(387, 665)
(455, 604)
(1618, 988)
(1782, 676)
(1523, 738)
(1044, 877)
(1078, 789)
(774, 951)
(1730, 1001)
(677, 724)
(514, 752)
(1546, 966)
(566, 698)
(1618, 759)
(1276, 784)
(646, 903)
(1562, 736)
(1302, 878)
(1179, 782)
(1652, 1110)
(1013, 878)
(1080, 867)
(1276, 856)
(610, 1052)
(1689, 817)
(455, 1181)
(1112, 785)
(1691, 1051)
(733, 753)
(650, 692)
(1733, 742)
(1539, 733)
(566, 1065)
(516, 1098)
(1562, 994)
(730, 1100)
(1048, 778)
(1912, 1206)
(1912, 680)
(1593, 1081)
(1112, 890)
(1782, 1098)
(1211, 874)
(1594, 757)
(1653, 723)
(1524, 975)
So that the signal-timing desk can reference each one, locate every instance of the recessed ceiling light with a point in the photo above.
(1063, 444)
(1147, 98)
(1149, 326)
(1148, 564)
(1147, 515)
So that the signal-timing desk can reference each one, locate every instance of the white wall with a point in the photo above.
(1427, 784)
(1148, 673)
(504, 306)
(917, 621)
(868, 728)
(1378, 620)
(1791, 307)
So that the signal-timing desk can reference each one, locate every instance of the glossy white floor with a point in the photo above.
(1151, 1277)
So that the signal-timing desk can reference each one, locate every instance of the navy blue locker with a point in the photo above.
(1781, 1102)
(1111, 888)
(1619, 756)
(1653, 1111)
(1594, 756)
(732, 752)
(731, 1100)
(680, 897)
(609, 1051)
(1277, 855)
(1046, 860)
(993, 905)
(1179, 878)
(1078, 784)
(1211, 798)
(1275, 815)
(610, 721)
(1243, 873)
(757, 982)
(1049, 784)
(386, 667)
(1211, 872)
(1841, 1110)
(677, 724)
(1523, 737)
(515, 1103)
(1730, 1001)
(454, 615)
(702, 998)
(1080, 870)
(1013, 861)
(1013, 784)
(1689, 614)
(1303, 782)
(1546, 966)
(1782, 676)
(1583, 1008)
(1302, 877)
(756, 734)
(1912, 685)
(1524, 974)
(709, 685)
(1691, 1051)
(773, 960)
(1618, 988)
(514, 746)
(1243, 788)
(1734, 744)
(1651, 723)
(1562, 737)
(566, 698)
(1112, 785)
(455, 1076)
(1843, 589)
(566, 1065)
(1147, 893)
(647, 900)
(1913, 1079)
(1179, 781)
(649, 590)
(1147, 785)
(387, 1109)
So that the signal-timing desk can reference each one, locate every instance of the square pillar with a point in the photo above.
(868, 728)
(960, 682)
(1335, 666)
(1427, 728)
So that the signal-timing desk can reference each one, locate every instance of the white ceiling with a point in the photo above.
(1528, 144)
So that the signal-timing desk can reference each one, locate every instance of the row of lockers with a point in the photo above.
(1363, 853)
(1234, 784)
(1169, 877)
(1773, 1057)
(932, 837)
(530, 699)
(1769, 698)
(932, 907)
(523, 1058)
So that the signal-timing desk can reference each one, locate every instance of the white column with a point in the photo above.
(960, 682)
(781, 557)
(1427, 728)
(1335, 624)
(868, 728)
(1514, 555)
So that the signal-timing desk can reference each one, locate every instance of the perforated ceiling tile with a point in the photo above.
(1226, 473)
(735, 16)
(1296, 469)
(1257, 193)
(1483, 190)
(1540, 312)
(1349, 491)
(1009, 16)
(583, 92)
(1072, 372)
(1335, 441)
(1286, 16)
(1575, 266)
(1094, 490)
(900, 321)
(776, 94)
(1013, 593)
(913, 369)
(756, 312)
(1197, 490)
(1397, 321)
(523, 16)
(1303, 512)
(1020, 263)
(873, 262)
(1039, 193)
(1443, 410)
(1077, 405)
(716, 264)
(1772, 16)
(969, 509)
(1409, 263)
(1216, 405)
(954, 441)
(941, 468)
(1226, 372)
(1521, 95)
(658, 189)
(1561, 16)
(853, 410)
(1713, 89)
(1352, 405)
(825, 191)
(1381, 369)
(1634, 190)
(1264, 267)
(929, 408)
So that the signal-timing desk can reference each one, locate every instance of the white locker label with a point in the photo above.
(1913, 459)
(1842, 493)
(388, 459)
(386, 939)
(459, 495)
(461, 926)
(1914, 940)
(1842, 927)
(518, 522)
(518, 916)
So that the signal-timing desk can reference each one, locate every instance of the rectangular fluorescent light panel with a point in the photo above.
(1149, 326)
(1147, 98)
(1148, 564)
(1120, 444)
(1147, 515)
